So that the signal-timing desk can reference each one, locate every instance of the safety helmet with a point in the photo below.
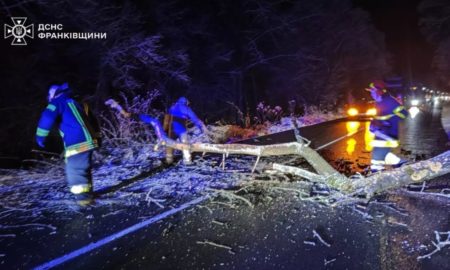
(55, 90)
(183, 101)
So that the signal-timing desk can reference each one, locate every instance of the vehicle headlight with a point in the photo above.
(352, 112)
(413, 111)
(415, 102)
(371, 111)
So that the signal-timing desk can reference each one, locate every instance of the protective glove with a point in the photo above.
(40, 141)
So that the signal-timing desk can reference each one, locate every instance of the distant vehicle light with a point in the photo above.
(352, 112)
(413, 111)
(415, 102)
(371, 111)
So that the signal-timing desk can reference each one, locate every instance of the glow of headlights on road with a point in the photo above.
(413, 111)
(352, 126)
(351, 145)
(368, 137)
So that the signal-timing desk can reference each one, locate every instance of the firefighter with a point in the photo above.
(385, 127)
(175, 125)
(79, 136)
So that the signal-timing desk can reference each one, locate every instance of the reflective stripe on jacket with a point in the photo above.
(385, 143)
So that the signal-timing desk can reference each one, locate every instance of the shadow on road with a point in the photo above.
(132, 180)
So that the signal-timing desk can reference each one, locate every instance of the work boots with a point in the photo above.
(85, 199)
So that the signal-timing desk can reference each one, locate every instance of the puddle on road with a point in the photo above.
(424, 136)
(352, 154)
(421, 138)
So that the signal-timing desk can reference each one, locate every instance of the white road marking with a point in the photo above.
(108, 239)
(338, 139)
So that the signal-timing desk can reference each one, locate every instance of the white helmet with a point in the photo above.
(55, 90)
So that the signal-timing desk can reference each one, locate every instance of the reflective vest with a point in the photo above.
(389, 114)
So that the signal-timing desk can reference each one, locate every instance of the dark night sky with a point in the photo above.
(398, 20)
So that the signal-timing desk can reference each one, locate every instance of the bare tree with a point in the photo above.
(435, 24)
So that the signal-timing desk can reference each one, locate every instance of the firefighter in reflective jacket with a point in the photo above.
(385, 127)
(175, 126)
(79, 137)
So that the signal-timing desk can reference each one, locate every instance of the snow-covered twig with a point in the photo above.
(113, 213)
(150, 199)
(317, 235)
(206, 207)
(325, 262)
(439, 244)
(207, 242)
(218, 222)
(231, 195)
(365, 215)
(297, 171)
(424, 184)
(256, 164)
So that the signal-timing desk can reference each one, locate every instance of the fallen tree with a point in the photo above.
(325, 173)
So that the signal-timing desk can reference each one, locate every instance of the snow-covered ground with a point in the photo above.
(126, 175)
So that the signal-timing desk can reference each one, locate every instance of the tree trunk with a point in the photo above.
(409, 174)
(294, 148)
(377, 183)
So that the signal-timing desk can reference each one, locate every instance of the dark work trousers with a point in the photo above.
(78, 173)
(175, 127)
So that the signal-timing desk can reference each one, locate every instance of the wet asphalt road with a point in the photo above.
(277, 233)
(425, 136)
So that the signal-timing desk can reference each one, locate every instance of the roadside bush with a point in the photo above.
(265, 113)
(118, 130)
(126, 140)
